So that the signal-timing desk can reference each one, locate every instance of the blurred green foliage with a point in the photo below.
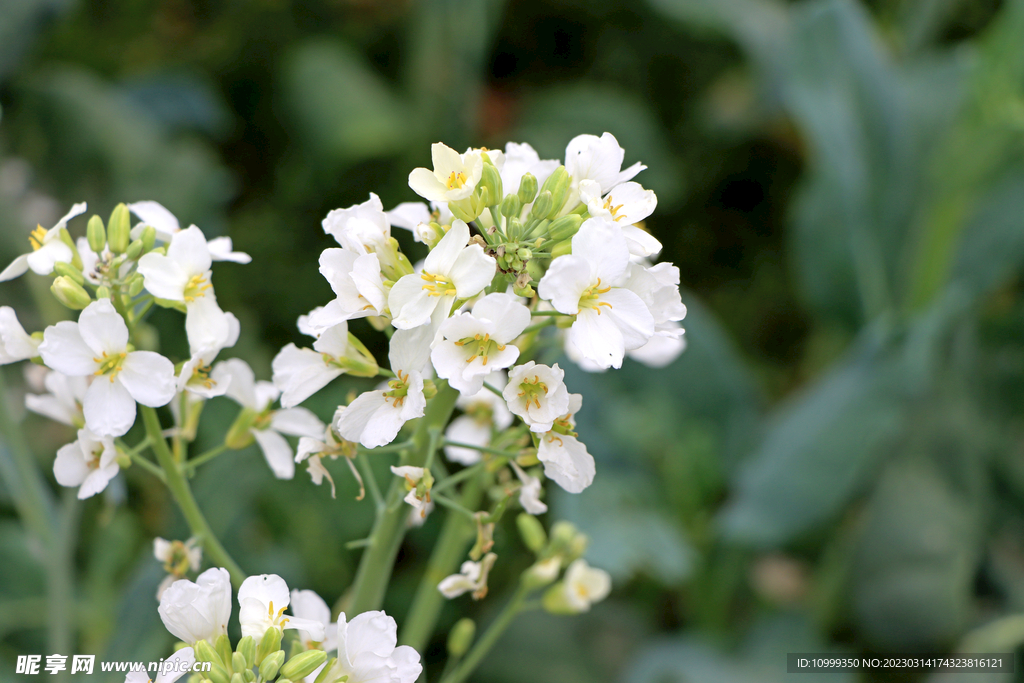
(836, 462)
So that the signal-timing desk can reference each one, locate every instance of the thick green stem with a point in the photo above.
(179, 488)
(378, 559)
(489, 638)
(455, 535)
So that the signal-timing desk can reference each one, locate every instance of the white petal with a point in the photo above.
(266, 588)
(108, 407)
(189, 250)
(148, 377)
(15, 343)
(220, 249)
(179, 664)
(69, 467)
(566, 462)
(424, 183)
(51, 407)
(42, 260)
(442, 258)
(277, 452)
(334, 341)
(97, 480)
(602, 245)
(410, 349)
(297, 422)
(241, 381)
(640, 242)
(300, 373)
(154, 213)
(16, 268)
(597, 338)
(564, 283)
(102, 328)
(206, 325)
(410, 304)
(465, 429)
(472, 271)
(164, 277)
(509, 316)
(409, 214)
(64, 350)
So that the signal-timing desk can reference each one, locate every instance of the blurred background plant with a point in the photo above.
(835, 463)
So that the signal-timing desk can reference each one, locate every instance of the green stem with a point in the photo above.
(60, 578)
(192, 463)
(452, 505)
(370, 479)
(179, 488)
(490, 637)
(449, 551)
(494, 390)
(378, 559)
(148, 466)
(458, 477)
(482, 449)
(538, 314)
(539, 326)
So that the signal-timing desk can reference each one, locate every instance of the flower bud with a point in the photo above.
(148, 237)
(527, 188)
(490, 180)
(67, 270)
(96, 234)
(326, 674)
(70, 293)
(223, 647)
(247, 648)
(514, 229)
(561, 248)
(542, 205)
(532, 532)
(135, 284)
(511, 206)
(205, 653)
(429, 389)
(555, 602)
(238, 663)
(102, 292)
(271, 664)
(270, 642)
(237, 678)
(217, 674)
(134, 250)
(461, 637)
(303, 664)
(524, 254)
(249, 676)
(119, 229)
(565, 227)
(562, 534)
(240, 435)
(542, 573)
(558, 185)
(122, 459)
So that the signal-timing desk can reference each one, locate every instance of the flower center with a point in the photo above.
(591, 297)
(533, 390)
(201, 375)
(613, 210)
(563, 426)
(456, 180)
(480, 347)
(399, 389)
(94, 458)
(196, 288)
(110, 364)
(276, 619)
(36, 237)
(439, 285)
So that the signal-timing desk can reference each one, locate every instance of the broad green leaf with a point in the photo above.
(341, 110)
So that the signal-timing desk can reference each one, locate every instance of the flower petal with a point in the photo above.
(108, 407)
(102, 328)
(64, 350)
(472, 271)
(148, 377)
(276, 451)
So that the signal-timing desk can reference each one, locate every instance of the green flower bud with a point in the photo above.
(249, 675)
(237, 678)
(217, 674)
(558, 185)
(554, 600)
(429, 389)
(76, 258)
(96, 234)
(527, 188)
(302, 665)
(136, 284)
(67, 270)
(524, 254)
(271, 664)
(239, 435)
(561, 248)
(514, 229)
(511, 206)
(238, 663)
(325, 673)
(148, 237)
(461, 637)
(119, 229)
(223, 647)
(271, 642)
(565, 227)
(542, 573)
(102, 292)
(123, 461)
(205, 653)
(578, 546)
(490, 180)
(542, 206)
(532, 532)
(70, 293)
(247, 648)
(134, 250)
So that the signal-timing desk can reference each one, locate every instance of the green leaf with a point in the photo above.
(341, 110)
(819, 450)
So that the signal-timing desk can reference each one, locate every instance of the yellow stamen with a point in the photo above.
(36, 237)
(196, 288)
(589, 298)
(456, 180)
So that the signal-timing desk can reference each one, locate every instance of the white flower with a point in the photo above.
(98, 345)
(419, 495)
(198, 611)
(167, 225)
(529, 494)
(417, 217)
(175, 551)
(585, 585)
(452, 270)
(184, 275)
(47, 249)
(194, 376)
(537, 394)
(658, 287)
(626, 204)
(357, 283)
(300, 373)
(375, 417)
(472, 577)
(481, 411)
(454, 176)
(477, 343)
(520, 159)
(15, 343)
(362, 228)
(89, 463)
(313, 451)
(367, 652)
(172, 668)
(306, 604)
(64, 401)
(588, 157)
(610, 320)
(270, 424)
(262, 601)
(566, 460)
